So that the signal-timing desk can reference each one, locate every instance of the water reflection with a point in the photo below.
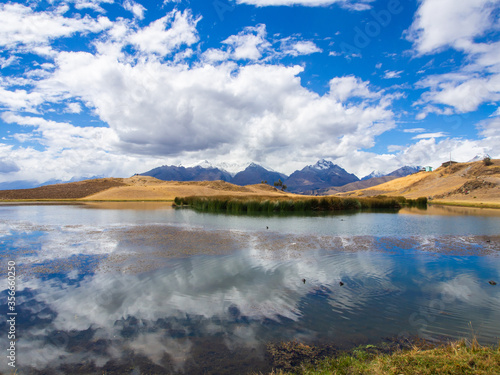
(162, 298)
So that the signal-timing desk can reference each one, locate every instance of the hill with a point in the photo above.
(465, 183)
(137, 188)
(71, 190)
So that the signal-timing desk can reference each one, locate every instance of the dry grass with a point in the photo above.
(461, 357)
(73, 190)
(138, 188)
(474, 183)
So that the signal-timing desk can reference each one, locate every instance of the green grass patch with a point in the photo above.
(461, 357)
(279, 205)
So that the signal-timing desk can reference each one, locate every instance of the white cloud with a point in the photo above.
(166, 34)
(20, 100)
(5, 62)
(213, 55)
(136, 8)
(60, 136)
(67, 151)
(344, 88)
(430, 135)
(248, 44)
(91, 4)
(448, 23)
(164, 110)
(21, 27)
(461, 92)
(490, 129)
(441, 24)
(496, 113)
(353, 5)
(414, 130)
(73, 108)
(388, 74)
(433, 109)
(298, 48)
(433, 153)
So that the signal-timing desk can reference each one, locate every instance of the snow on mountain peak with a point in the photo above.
(479, 157)
(323, 164)
(204, 164)
(374, 174)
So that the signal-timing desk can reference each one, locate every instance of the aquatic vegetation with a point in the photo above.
(269, 205)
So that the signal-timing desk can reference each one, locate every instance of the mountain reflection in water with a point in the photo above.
(162, 298)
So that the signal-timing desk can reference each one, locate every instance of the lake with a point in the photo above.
(137, 288)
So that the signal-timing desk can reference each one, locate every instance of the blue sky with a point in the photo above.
(104, 87)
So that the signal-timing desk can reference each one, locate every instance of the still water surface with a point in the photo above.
(143, 288)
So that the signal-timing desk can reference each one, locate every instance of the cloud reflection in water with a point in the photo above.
(179, 304)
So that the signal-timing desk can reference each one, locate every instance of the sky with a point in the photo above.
(113, 88)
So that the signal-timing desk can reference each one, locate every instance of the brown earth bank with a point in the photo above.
(137, 188)
(460, 184)
(72, 190)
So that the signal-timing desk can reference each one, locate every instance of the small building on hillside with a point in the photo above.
(426, 169)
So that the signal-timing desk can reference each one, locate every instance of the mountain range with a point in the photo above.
(309, 180)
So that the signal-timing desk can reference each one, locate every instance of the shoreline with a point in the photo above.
(490, 205)
(390, 357)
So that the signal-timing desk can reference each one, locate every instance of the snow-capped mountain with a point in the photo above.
(479, 157)
(404, 171)
(323, 174)
(196, 173)
(374, 174)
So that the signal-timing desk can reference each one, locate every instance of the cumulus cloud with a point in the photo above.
(248, 44)
(447, 23)
(158, 109)
(22, 27)
(344, 88)
(20, 100)
(166, 34)
(464, 93)
(439, 25)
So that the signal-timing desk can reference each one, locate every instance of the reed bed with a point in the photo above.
(277, 205)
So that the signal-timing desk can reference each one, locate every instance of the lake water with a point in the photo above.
(131, 288)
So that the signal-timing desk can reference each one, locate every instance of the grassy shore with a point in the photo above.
(466, 204)
(460, 357)
(270, 205)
